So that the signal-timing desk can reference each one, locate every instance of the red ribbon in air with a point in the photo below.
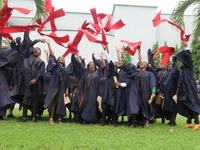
(72, 46)
(157, 20)
(59, 40)
(135, 46)
(168, 52)
(6, 12)
(98, 26)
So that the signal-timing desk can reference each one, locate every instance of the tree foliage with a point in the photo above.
(155, 47)
(178, 16)
(40, 10)
(127, 54)
(196, 60)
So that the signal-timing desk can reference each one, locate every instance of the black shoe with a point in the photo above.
(1, 118)
(34, 121)
(23, 120)
(11, 116)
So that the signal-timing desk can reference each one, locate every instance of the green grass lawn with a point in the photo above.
(73, 135)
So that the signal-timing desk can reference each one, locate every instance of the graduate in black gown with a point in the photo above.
(28, 88)
(102, 66)
(11, 75)
(58, 87)
(160, 76)
(111, 104)
(109, 91)
(122, 84)
(188, 103)
(141, 89)
(8, 58)
(169, 89)
(159, 113)
(85, 101)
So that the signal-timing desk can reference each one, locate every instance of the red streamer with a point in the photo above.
(157, 20)
(48, 6)
(135, 46)
(98, 26)
(168, 52)
(6, 12)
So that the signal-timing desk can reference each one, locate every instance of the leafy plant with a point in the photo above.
(127, 54)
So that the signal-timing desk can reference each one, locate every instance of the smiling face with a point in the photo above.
(37, 52)
(91, 67)
(143, 65)
(61, 61)
(119, 64)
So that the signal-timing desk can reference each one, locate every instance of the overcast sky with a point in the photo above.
(106, 6)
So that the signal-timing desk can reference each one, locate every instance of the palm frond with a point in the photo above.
(177, 15)
(40, 10)
(6, 43)
(196, 24)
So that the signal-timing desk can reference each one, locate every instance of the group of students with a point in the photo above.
(103, 89)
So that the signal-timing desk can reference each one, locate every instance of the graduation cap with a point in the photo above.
(135, 46)
(157, 20)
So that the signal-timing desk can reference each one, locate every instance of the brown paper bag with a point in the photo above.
(99, 99)
(175, 98)
(158, 98)
(66, 100)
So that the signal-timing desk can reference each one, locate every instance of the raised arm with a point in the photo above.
(50, 50)
(105, 47)
(139, 55)
(47, 55)
(118, 55)
(78, 58)
(124, 56)
(103, 61)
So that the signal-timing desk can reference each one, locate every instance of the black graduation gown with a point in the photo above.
(8, 58)
(159, 81)
(54, 68)
(109, 90)
(11, 74)
(102, 73)
(169, 88)
(150, 59)
(89, 111)
(121, 94)
(132, 100)
(34, 93)
(187, 95)
(78, 69)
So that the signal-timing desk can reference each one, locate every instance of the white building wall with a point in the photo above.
(139, 27)
(170, 34)
(138, 20)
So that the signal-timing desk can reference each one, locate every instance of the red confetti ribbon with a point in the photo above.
(157, 20)
(135, 46)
